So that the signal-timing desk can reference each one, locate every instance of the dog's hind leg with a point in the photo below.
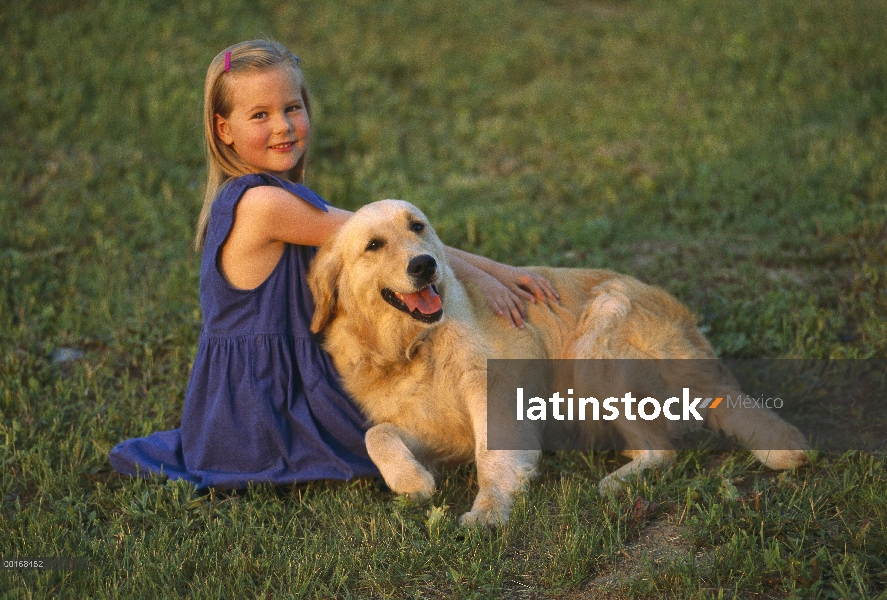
(387, 447)
(598, 324)
(776, 443)
(614, 483)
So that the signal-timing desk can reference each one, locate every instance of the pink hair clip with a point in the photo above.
(227, 61)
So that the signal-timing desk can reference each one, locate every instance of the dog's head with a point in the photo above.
(386, 257)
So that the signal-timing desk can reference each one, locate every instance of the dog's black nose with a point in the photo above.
(422, 268)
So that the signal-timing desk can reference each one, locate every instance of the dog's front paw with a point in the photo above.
(484, 517)
(419, 485)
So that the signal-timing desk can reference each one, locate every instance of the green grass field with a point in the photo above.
(734, 153)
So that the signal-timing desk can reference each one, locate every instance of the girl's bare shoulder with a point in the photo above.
(275, 213)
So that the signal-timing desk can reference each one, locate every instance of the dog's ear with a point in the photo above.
(322, 279)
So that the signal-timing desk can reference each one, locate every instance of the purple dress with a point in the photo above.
(264, 402)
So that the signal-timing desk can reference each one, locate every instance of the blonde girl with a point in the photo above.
(264, 403)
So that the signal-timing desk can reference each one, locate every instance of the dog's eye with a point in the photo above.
(375, 244)
(417, 226)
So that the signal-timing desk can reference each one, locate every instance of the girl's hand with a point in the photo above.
(505, 287)
(523, 283)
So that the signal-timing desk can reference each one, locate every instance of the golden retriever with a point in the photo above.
(411, 344)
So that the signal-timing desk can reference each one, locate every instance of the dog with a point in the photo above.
(411, 344)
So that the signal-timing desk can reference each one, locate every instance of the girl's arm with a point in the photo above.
(265, 220)
(505, 287)
(267, 217)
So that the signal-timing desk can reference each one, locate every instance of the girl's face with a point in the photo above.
(268, 126)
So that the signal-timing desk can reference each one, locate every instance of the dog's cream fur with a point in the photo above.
(423, 385)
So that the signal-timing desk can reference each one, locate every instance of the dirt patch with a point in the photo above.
(660, 542)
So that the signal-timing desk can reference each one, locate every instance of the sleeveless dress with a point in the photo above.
(264, 403)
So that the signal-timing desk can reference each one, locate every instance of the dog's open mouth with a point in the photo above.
(424, 305)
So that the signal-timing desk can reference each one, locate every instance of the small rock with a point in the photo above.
(60, 356)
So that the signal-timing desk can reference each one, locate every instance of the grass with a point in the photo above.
(734, 153)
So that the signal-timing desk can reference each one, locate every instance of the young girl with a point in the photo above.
(264, 403)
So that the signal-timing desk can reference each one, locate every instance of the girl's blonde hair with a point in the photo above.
(223, 163)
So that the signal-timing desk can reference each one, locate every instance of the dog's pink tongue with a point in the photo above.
(427, 301)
